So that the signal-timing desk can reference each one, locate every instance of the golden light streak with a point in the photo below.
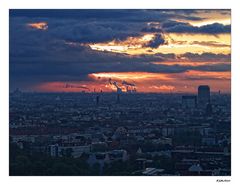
(177, 43)
(220, 21)
(187, 63)
(131, 43)
(163, 87)
(131, 75)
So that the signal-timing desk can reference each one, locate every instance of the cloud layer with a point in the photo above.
(59, 50)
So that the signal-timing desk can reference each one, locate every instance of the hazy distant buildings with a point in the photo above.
(209, 109)
(194, 141)
(17, 92)
(118, 98)
(189, 101)
(203, 95)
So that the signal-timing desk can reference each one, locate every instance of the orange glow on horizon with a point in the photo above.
(130, 75)
(143, 82)
(225, 75)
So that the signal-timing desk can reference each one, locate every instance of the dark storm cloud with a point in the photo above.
(207, 57)
(71, 14)
(90, 26)
(71, 65)
(91, 32)
(126, 15)
(83, 31)
(171, 26)
(41, 56)
(186, 14)
(56, 61)
(157, 41)
(216, 67)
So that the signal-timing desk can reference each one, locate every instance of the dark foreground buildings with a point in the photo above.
(143, 134)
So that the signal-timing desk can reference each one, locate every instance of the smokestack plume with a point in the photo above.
(119, 89)
(130, 87)
(127, 83)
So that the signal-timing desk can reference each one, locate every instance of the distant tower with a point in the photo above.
(97, 100)
(203, 95)
(119, 90)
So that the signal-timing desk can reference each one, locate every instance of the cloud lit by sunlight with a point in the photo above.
(38, 25)
(177, 43)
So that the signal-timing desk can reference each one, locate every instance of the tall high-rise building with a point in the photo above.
(97, 99)
(203, 95)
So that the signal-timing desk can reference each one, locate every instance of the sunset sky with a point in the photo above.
(95, 50)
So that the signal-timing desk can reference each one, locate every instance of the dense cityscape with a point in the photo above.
(120, 92)
(120, 133)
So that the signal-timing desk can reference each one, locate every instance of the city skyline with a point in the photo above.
(157, 51)
(114, 92)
